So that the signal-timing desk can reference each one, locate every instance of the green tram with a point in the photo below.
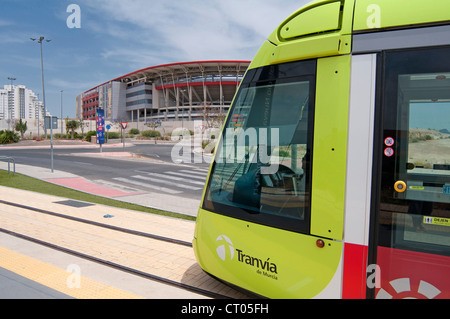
(332, 175)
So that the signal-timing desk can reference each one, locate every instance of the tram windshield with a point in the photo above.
(262, 167)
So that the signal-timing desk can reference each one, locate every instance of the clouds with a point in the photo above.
(119, 36)
(171, 31)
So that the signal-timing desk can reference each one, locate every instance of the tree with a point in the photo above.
(153, 124)
(21, 127)
(72, 125)
(214, 118)
(82, 125)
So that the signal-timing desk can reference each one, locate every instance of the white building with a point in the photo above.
(18, 102)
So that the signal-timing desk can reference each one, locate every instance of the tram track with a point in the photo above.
(86, 221)
(34, 224)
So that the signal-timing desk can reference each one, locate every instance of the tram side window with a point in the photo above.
(262, 168)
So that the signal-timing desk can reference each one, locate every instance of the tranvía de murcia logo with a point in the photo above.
(225, 243)
(263, 267)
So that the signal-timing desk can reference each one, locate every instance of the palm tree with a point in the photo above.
(72, 125)
(21, 127)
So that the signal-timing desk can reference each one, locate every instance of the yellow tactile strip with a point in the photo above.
(59, 279)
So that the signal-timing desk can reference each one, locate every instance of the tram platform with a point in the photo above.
(53, 269)
(77, 278)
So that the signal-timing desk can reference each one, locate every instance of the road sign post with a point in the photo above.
(108, 127)
(51, 122)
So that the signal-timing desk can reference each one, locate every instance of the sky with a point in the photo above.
(116, 37)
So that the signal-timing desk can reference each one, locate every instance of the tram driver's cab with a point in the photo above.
(262, 166)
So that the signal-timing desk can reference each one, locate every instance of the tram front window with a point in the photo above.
(262, 168)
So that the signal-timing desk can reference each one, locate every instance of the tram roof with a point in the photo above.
(325, 27)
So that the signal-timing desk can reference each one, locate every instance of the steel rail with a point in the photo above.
(118, 266)
(86, 221)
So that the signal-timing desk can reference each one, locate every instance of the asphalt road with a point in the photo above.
(155, 171)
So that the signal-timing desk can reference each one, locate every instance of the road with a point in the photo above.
(153, 172)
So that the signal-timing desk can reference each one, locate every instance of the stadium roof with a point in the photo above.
(174, 71)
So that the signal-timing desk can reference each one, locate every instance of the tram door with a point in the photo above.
(410, 238)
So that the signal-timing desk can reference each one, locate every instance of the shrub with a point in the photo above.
(112, 135)
(89, 134)
(134, 131)
(8, 137)
(151, 133)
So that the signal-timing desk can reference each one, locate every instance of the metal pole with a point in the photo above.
(43, 87)
(123, 138)
(51, 141)
(45, 104)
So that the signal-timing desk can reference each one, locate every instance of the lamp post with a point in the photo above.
(10, 101)
(42, 75)
(43, 97)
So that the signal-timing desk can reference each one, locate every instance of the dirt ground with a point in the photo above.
(428, 152)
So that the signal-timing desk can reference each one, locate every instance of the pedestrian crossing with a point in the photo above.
(172, 182)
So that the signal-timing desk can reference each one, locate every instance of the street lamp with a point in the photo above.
(42, 74)
(10, 101)
(43, 97)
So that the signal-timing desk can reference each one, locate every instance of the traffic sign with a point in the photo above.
(124, 125)
(389, 141)
(389, 151)
(50, 122)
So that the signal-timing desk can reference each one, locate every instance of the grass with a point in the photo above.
(36, 185)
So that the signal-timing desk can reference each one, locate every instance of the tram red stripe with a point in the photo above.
(354, 277)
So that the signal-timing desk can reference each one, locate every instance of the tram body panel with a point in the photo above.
(359, 174)
(248, 255)
(377, 14)
(330, 146)
(290, 43)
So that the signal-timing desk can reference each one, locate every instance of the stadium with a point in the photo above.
(183, 91)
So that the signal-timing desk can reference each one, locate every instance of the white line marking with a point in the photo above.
(187, 175)
(177, 178)
(166, 182)
(162, 189)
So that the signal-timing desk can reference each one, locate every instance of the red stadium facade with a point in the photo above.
(169, 92)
